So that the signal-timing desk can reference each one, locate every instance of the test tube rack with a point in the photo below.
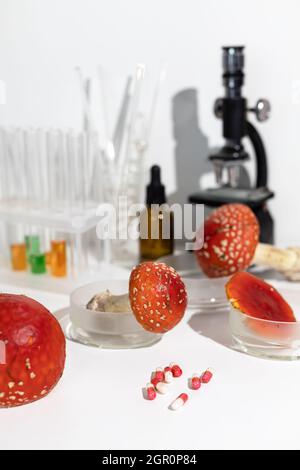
(50, 188)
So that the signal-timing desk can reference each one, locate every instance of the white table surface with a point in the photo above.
(98, 404)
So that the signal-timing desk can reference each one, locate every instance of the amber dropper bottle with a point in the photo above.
(156, 221)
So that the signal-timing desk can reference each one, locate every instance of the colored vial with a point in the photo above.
(58, 262)
(48, 259)
(156, 221)
(18, 257)
(38, 264)
(32, 245)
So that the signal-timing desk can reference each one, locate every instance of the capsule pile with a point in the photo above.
(162, 377)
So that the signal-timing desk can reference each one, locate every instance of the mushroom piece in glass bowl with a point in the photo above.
(264, 321)
(114, 329)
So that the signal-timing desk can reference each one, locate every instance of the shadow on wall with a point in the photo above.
(191, 150)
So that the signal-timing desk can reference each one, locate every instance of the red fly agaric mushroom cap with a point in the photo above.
(35, 350)
(157, 296)
(231, 234)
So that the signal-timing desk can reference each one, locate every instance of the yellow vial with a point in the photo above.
(18, 256)
(48, 256)
(58, 260)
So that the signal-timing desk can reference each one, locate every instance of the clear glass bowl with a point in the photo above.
(265, 338)
(207, 294)
(104, 329)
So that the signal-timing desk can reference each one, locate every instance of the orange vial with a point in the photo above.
(18, 256)
(48, 256)
(58, 263)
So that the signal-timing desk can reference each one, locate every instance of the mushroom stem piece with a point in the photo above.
(231, 235)
(284, 260)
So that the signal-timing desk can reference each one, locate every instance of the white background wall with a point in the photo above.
(42, 40)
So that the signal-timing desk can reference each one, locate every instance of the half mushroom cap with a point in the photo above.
(256, 298)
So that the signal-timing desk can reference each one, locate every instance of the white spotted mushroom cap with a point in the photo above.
(231, 234)
(158, 296)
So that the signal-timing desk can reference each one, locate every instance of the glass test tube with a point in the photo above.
(58, 258)
(18, 256)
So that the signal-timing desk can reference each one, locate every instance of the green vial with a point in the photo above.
(38, 264)
(32, 243)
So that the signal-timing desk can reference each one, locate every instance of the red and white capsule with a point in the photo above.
(207, 376)
(161, 387)
(159, 373)
(168, 375)
(179, 402)
(176, 370)
(150, 392)
(195, 382)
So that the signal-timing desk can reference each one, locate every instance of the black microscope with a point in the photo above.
(229, 160)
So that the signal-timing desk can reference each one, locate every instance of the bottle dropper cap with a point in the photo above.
(155, 190)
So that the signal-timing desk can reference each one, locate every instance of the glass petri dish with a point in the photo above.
(206, 294)
(104, 329)
(265, 338)
(186, 265)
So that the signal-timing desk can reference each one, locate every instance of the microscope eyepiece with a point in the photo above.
(233, 66)
(233, 59)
